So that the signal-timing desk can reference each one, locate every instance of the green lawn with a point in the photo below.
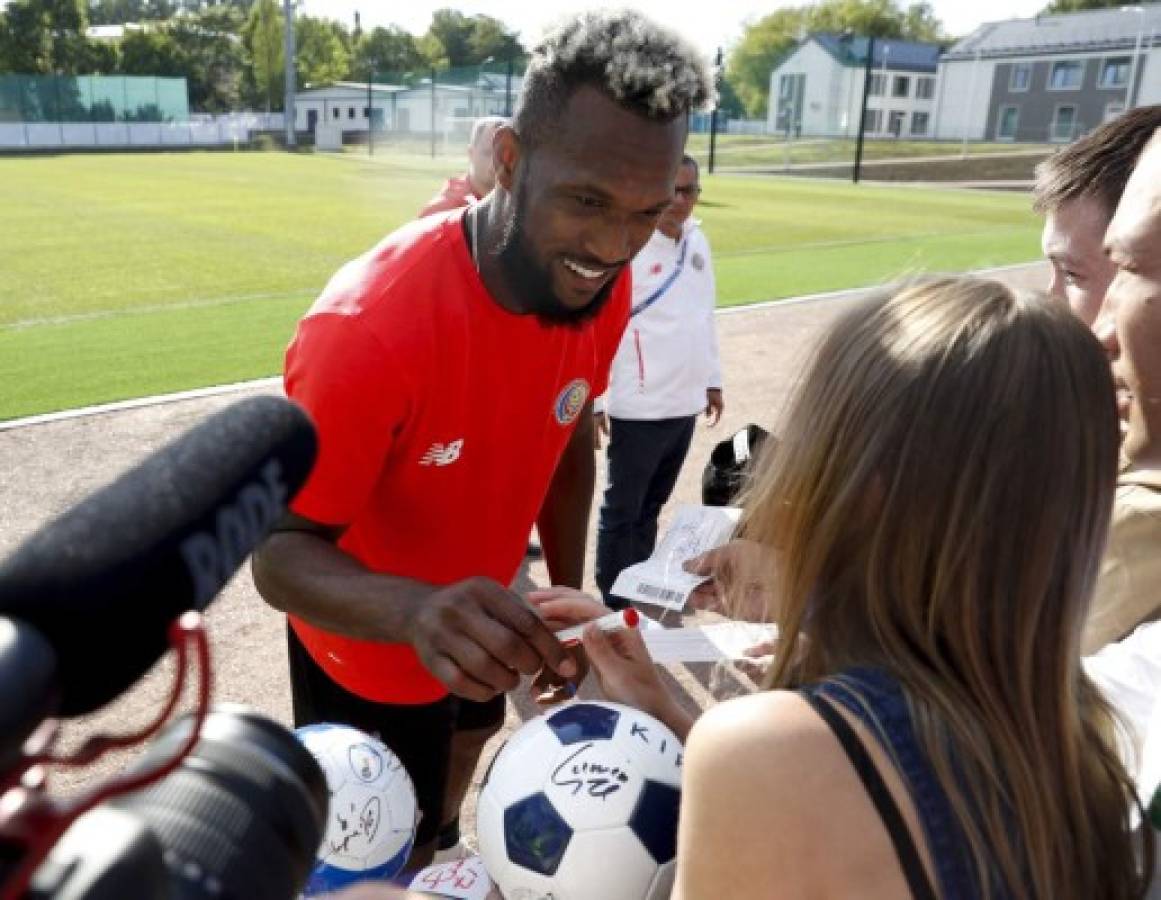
(772, 151)
(129, 275)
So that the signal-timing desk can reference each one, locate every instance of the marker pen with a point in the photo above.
(625, 618)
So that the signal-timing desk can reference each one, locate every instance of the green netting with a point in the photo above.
(92, 98)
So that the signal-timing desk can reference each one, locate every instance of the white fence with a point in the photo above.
(200, 131)
(746, 126)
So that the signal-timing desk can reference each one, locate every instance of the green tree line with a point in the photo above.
(231, 51)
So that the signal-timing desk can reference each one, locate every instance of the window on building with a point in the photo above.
(924, 88)
(873, 120)
(1064, 124)
(1115, 72)
(876, 87)
(1007, 123)
(1113, 110)
(1020, 78)
(895, 122)
(350, 112)
(785, 86)
(1066, 76)
(366, 112)
(337, 112)
(901, 86)
(919, 122)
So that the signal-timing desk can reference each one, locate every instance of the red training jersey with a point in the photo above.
(441, 417)
(456, 192)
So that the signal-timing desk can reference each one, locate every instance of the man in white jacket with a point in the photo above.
(665, 373)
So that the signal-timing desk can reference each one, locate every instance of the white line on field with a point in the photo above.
(218, 390)
(199, 303)
(138, 402)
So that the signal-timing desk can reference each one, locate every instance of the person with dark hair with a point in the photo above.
(666, 372)
(1077, 189)
(424, 363)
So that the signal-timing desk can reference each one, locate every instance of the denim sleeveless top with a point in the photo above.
(875, 698)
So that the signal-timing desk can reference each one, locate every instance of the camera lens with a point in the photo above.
(243, 815)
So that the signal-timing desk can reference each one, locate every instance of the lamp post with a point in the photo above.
(1130, 94)
(477, 83)
(288, 53)
(863, 111)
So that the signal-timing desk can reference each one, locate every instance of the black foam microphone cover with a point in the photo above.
(104, 580)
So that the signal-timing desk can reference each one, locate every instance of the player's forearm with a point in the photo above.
(309, 577)
(564, 517)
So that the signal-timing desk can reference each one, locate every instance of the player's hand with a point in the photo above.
(600, 426)
(478, 637)
(715, 405)
(626, 671)
(548, 689)
(739, 581)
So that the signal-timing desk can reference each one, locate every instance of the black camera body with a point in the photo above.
(241, 817)
(224, 803)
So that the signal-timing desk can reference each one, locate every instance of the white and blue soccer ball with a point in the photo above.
(373, 811)
(581, 804)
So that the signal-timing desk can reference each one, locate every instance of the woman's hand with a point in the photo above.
(624, 669)
(738, 585)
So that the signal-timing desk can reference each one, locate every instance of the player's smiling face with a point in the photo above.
(586, 200)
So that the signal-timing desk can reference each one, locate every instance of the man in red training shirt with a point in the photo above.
(450, 372)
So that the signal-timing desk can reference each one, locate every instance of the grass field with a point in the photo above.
(766, 151)
(129, 275)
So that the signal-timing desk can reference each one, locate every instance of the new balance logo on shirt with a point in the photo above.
(442, 454)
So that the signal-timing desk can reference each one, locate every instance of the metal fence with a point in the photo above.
(234, 129)
(92, 98)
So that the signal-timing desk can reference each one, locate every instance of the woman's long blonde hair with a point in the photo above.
(938, 505)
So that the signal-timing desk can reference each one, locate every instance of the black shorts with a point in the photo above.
(419, 735)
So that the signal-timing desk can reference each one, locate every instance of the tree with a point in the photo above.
(211, 53)
(763, 45)
(322, 54)
(383, 50)
(491, 38)
(767, 41)
(25, 39)
(151, 52)
(262, 39)
(43, 37)
(454, 40)
(448, 42)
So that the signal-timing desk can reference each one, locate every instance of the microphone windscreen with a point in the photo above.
(104, 580)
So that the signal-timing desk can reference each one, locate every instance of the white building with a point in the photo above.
(818, 89)
(1051, 78)
(404, 108)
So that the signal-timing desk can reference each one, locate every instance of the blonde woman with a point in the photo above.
(936, 510)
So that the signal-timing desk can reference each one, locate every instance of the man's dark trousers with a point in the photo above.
(645, 457)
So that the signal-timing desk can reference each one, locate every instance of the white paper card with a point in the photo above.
(707, 643)
(464, 879)
(660, 580)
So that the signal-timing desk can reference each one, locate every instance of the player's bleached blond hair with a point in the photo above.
(645, 67)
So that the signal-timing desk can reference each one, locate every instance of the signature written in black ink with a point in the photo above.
(594, 778)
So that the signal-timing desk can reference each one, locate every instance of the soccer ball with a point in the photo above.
(373, 813)
(581, 804)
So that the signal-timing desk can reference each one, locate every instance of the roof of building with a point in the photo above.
(890, 53)
(1098, 29)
